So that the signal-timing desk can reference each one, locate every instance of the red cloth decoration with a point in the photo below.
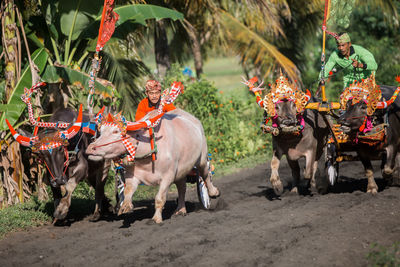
(107, 25)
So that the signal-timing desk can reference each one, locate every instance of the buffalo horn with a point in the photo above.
(74, 129)
(385, 104)
(23, 140)
(308, 94)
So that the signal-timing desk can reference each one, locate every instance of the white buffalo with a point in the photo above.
(181, 145)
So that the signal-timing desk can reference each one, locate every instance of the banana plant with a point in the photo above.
(72, 26)
(14, 106)
(71, 33)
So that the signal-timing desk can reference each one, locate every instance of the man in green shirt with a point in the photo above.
(357, 63)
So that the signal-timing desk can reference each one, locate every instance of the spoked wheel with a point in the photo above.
(202, 193)
(331, 165)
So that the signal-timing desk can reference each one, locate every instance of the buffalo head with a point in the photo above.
(51, 147)
(354, 117)
(359, 102)
(114, 138)
(286, 113)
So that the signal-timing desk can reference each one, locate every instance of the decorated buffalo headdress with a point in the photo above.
(60, 137)
(282, 90)
(48, 143)
(369, 92)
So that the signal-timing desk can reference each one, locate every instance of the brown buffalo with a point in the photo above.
(181, 145)
(63, 154)
(362, 112)
(296, 132)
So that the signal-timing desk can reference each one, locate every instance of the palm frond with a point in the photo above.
(252, 46)
(124, 68)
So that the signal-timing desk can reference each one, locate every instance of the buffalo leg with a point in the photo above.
(294, 166)
(131, 184)
(315, 168)
(101, 200)
(275, 180)
(205, 172)
(391, 152)
(62, 210)
(310, 163)
(372, 187)
(56, 195)
(181, 186)
(160, 200)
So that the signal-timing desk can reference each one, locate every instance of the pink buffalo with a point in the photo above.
(181, 145)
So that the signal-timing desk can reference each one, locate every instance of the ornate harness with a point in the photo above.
(370, 93)
(281, 91)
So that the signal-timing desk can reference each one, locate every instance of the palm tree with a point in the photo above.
(236, 25)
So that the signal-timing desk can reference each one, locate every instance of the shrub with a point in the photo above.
(231, 125)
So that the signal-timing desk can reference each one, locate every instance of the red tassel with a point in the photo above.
(362, 127)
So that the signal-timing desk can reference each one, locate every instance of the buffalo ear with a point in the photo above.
(25, 133)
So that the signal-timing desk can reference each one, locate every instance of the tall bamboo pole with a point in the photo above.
(326, 17)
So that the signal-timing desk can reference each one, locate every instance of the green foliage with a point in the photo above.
(15, 106)
(384, 256)
(369, 28)
(21, 216)
(230, 125)
(371, 31)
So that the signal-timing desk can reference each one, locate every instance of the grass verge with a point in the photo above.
(384, 256)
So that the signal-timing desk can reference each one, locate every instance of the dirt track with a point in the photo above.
(247, 228)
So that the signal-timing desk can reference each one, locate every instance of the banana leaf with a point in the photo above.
(15, 106)
(137, 13)
(140, 13)
(54, 74)
(78, 14)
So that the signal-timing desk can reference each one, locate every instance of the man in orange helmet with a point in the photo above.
(152, 101)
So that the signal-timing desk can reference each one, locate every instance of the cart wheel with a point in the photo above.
(202, 193)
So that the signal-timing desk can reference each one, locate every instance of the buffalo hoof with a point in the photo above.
(294, 190)
(388, 177)
(372, 191)
(60, 213)
(214, 193)
(322, 190)
(157, 219)
(126, 207)
(278, 187)
(95, 217)
(181, 212)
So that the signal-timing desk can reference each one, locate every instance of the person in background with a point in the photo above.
(356, 62)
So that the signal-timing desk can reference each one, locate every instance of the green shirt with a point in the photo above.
(349, 72)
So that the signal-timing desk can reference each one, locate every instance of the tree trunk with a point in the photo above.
(196, 48)
(10, 47)
(161, 49)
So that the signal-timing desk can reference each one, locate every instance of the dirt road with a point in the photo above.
(247, 228)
